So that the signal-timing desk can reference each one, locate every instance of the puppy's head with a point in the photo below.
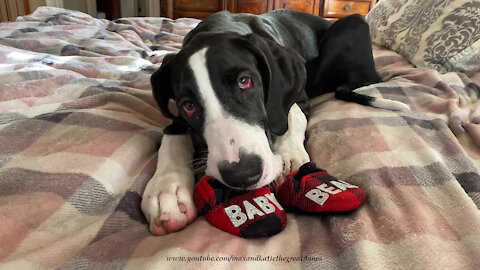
(234, 91)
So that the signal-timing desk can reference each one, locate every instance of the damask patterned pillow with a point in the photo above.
(440, 34)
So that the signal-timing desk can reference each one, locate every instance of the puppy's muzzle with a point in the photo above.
(244, 173)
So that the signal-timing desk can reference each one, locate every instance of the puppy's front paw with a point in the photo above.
(167, 203)
(292, 160)
(293, 155)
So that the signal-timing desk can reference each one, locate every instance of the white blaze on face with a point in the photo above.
(225, 134)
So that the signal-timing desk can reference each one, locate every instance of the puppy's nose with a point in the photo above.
(244, 173)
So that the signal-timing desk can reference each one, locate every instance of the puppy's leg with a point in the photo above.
(291, 144)
(167, 202)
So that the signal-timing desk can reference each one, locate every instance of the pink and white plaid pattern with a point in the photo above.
(79, 131)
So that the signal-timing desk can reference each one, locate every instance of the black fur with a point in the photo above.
(291, 56)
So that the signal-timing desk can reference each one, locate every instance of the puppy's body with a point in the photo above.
(240, 83)
(337, 59)
(298, 31)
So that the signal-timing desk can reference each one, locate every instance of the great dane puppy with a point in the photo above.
(241, 84)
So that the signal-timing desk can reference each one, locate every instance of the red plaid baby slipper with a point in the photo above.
(314, 190)
(245, 213)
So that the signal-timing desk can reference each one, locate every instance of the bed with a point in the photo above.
(79, 131)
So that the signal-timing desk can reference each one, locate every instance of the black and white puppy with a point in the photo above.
(241, 84)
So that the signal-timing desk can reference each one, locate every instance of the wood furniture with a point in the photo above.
(11, 9)
(112, 8)
(334, 9)
(329, 9)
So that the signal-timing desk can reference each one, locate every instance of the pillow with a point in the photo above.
(439, 34)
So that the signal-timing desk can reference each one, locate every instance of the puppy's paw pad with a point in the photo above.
(168, 208)
(292, 160)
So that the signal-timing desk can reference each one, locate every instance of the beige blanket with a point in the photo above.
(79, 133)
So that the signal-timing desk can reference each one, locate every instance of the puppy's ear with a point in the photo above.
(165, 98)
(162, 89)
(284, 77)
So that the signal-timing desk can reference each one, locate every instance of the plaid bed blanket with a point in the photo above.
(79, 131)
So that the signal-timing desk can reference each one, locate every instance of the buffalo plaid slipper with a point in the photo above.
(245, 213)
(314, 190)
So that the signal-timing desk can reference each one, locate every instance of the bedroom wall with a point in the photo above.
(128, 8)
(76, 5)
(34, 4)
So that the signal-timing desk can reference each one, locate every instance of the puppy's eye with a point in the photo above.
(245, 83)
(189, 108)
